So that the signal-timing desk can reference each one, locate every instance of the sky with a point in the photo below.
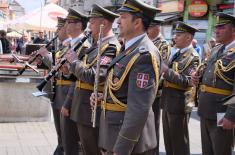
(30, 5)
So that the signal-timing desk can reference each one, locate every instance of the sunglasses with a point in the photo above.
(72, 21)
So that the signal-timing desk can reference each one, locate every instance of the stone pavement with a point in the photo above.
(39, 138)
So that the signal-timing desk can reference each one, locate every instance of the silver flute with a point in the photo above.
(96, 84)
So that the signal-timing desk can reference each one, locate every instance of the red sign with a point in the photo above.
(198, 8)
(225, 6)
(54, 15)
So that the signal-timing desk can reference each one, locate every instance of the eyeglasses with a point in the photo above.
(71, 21)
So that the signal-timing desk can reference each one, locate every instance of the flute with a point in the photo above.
(96, 84)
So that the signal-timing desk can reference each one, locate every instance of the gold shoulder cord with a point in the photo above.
(220, 69)
(94, 61)
(175, 64)
(110, 86)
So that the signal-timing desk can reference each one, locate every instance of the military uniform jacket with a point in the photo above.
(132, 130)
(172, 99)
(85, 71)
(164, 48)
(63, 95)
(219, 73)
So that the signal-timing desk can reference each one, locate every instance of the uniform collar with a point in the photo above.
(229, 46)
(66, 41)
(186, 48)
(133, 40)
(158, 36)
(74, 40)
(105, 38)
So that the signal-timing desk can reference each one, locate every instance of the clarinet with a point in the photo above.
(35, 57)
(55, 69)
(96, 84)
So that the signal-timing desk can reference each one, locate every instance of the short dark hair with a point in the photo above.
(145, 20)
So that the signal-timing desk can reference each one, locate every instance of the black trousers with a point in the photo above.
(89, 139)
(157, 113)
(56, 115)
(215, 140)
(175, 132)
(70, 137)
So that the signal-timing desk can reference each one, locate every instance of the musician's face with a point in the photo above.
(94, 26)
(224, 33)
(182, 39)
(127, 24)
(62, 33)
(153, 31)
(73, 26)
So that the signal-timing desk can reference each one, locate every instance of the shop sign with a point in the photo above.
(198, 8)
(225, 6)
(171, 6)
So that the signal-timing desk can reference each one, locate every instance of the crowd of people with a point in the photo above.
(139, 77)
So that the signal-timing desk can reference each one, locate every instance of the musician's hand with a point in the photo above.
(226, 124)
(71, 56)
(64, 111)
(194, 78)
(93, 98)
(38, 61)
(164, 68)
(43, 51)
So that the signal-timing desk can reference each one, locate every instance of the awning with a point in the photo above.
(169, 17)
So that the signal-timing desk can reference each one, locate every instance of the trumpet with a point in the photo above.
(63, 60)
(191, 95)
(35, 57)
(96, 84)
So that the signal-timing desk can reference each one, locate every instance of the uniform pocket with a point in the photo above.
(115, 118)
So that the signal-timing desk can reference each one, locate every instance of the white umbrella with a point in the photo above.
(40, 19)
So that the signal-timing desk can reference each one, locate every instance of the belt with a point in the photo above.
(112, 107)
(63, 82)
(86, 86)
(205, 88)
(175, 86)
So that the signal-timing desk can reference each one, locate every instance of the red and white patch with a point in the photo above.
(142, 80)
(105, 60)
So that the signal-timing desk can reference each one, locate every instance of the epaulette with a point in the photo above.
(231, 49)
(217, 46)
(143, 50)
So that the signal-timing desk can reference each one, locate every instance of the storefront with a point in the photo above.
(201, 14)
(172, 11)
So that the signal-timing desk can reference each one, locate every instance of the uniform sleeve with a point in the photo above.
(68, 99)
(183, 79)
(141, 95)
(88, 74)
(230, 113)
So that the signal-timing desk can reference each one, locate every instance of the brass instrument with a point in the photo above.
(96, 84)
(191, 95)
(35, 57)
(63, 60)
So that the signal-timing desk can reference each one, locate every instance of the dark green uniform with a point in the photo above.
(217, 83)
(85, 71)
(164, 49)
(127, 120)
(176, 83)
